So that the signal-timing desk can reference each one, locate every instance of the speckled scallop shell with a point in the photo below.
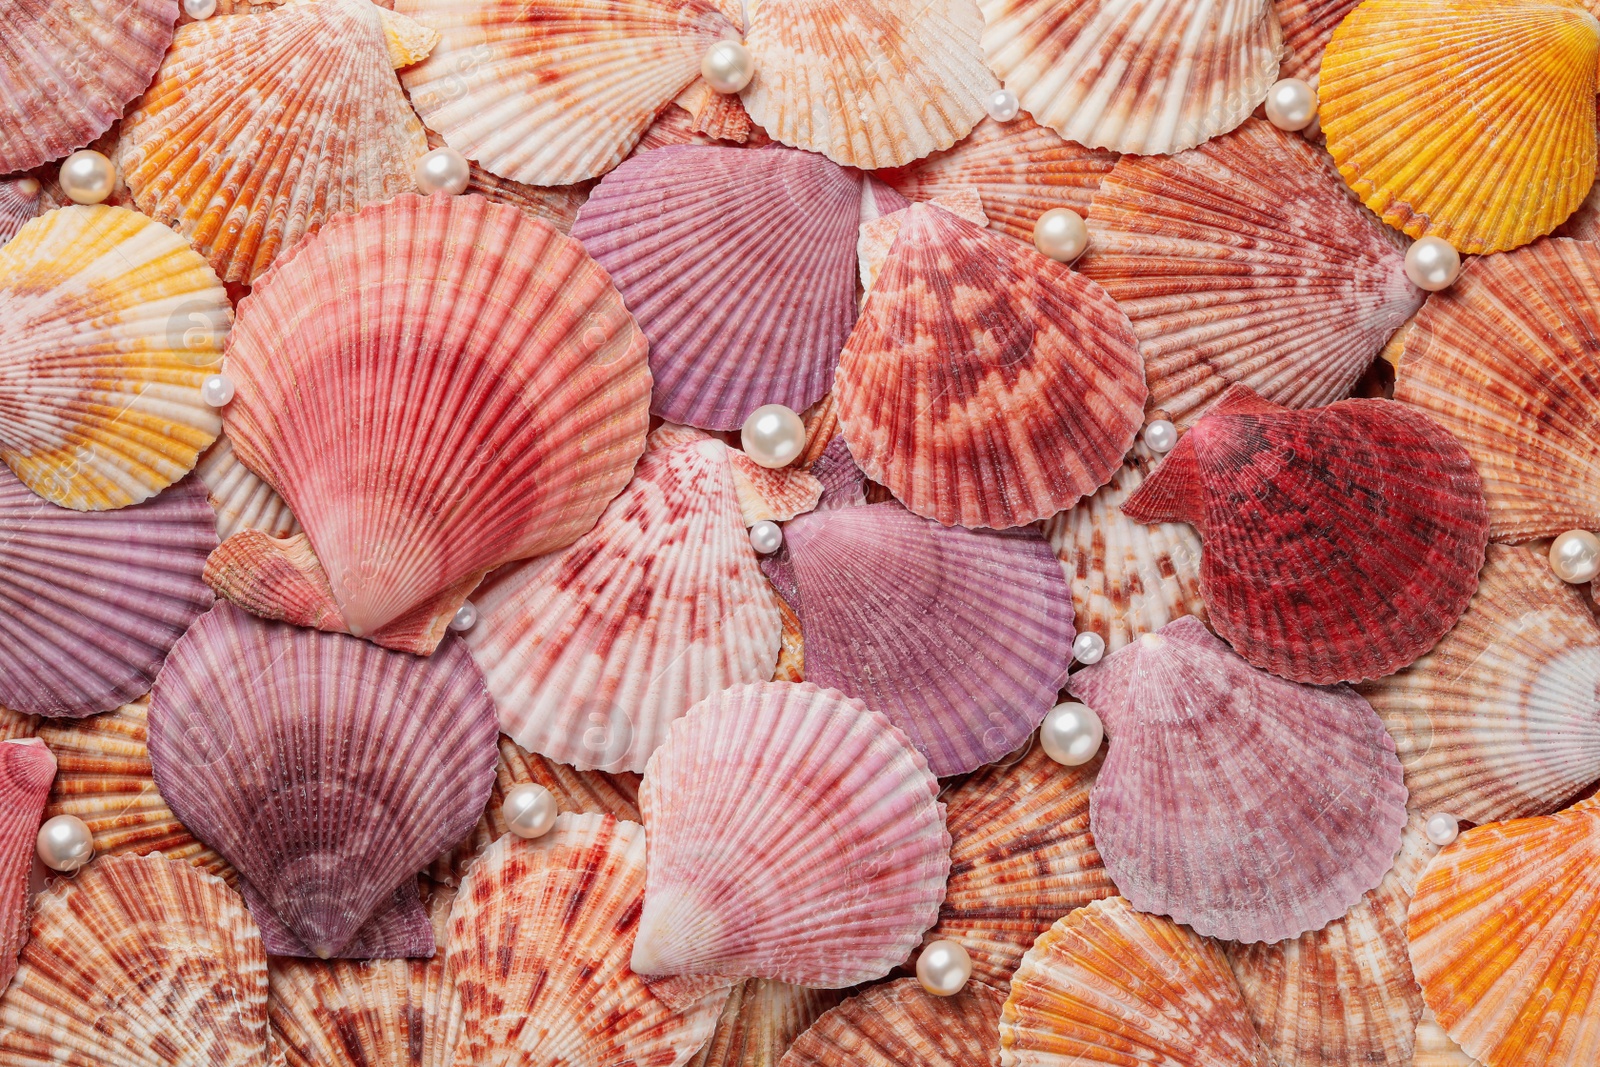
(26, 769)
(1502, 939)
(19, 203)
(1249, 807)
(111, 325)
(483, 333)
(1340, 543)
(1244, 260)
(1109, 984)
(897, 1024)
(326, 827)
(774, 495)
(241, 500)
(90, 602)
(794, 835)
(961, 637)
(1134, 76)
(140, 961)
(1434, 1047)
(984, 384)
(760, 1021)
(1308, 25)
(688, 234)
(69, 68)
(1468, 121)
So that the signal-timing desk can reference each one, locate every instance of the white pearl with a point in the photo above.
(943, 968)
(1442, 829)
(444, 170)
(1575, 556)
(1003, 105)
(1061, 234)
(529, 810)
(217, 391)
(200, 9)
(65, 843)
(1432, 264)
(1071, 734)
(773, 436)
(1088, 648)
(466, 617)
(87, 177)
(1161, 436)
(766, 537)
(728, 66)
(1291, 105)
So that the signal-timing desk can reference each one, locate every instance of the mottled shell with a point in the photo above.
(241, 500)
(760, 1022)
(26, 768)
(1308, 26)
(876, 235)
(898, 1023)
(19, 202)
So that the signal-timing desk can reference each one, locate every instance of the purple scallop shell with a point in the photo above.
(843, 484)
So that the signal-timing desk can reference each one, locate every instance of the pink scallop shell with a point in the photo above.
(19, 202)
(26, 770)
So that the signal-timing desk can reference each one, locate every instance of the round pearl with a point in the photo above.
(1003, 105)
(87, 177)
(1071, 734)
(1061, 234)
(444, 170)
(466, 617)
(1432, 264)
(1087, 648)
(217, 390)
(1575, 556)
(1442, 829)
(529, 810)
(1291, 105)
(1161, 436)
(728, 66)
(766, 537)
(773, 436)
(65, 843)
(200, 9)
(943, 968)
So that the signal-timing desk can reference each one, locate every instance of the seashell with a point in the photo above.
(69, 69)
(984, 384)
(961, 637)
(747, 881)
(878, 198)
(326, 826)
(241, 500)
(897, 1023)
(1308, 26)
(821, 421)
(1434, 1047)
(14, 725)
(1108, 983)
(558, 205)
(208, 151)
(1501, 938)
(19, 203)
(1584, 223)
(1340, 543)
(90, 602)
(760, 1021)
(1021, 857)
(1245, 261)
(540, 931)
(720, 116)
(1445, 171)
(877, 236)
(843, 484)
(112, 324)
(26, 768)
(1019, 168)
(1292, 804)
(1150, 78)
(138, 960)
(868, 83)
(792, 654)
(689, 232)
(1127, 579)
(534, 418)
(766, 494)
(675, 126)
(551, 92)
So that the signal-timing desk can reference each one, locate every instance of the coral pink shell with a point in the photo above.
(26, 770)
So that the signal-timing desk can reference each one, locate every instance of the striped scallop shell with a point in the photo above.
(984, 384)
(19, 202)
(675, 126)
(111, 325)
(760, 1021)
(720, 116)
(1495, 140)
(1435, 1048)
(1308, 26)
(1108, 983)
(557, 204)
(1146, 76)
(26, 769)
(241, 500)
(768, 494)
(1245, 261)
(898, 1023)
(876, 236)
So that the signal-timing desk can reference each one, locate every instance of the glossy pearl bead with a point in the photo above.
(728, 66)
(465, 618)
(1442, 829)
(1061, 234)
(1432, 264)
(87, 177)
(65, 843)
(1161, 436)
(529, 810)
(1575, 556)
(1087, 648)
(943, 968)
(766, 537)
(1291, 105)
(217, 390)
(1003, 105)
(773, 436)
(200, 9)
(444, 170)
(1071, 734)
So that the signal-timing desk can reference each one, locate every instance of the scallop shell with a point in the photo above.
(984, 384)
(843, 484)
(792, 656)
(961, 637)
(1584, 223)
(90, 602)
(878, 198)
(1151, 77)
(720, 116)
(323, 826)
(140, 961)
(773, 495)
(1434, 1047)
(483, 332)
(1502, 939)
(241, 500)
(592, 652)
(1107, 983)
(868, 83)
(1249, 807)
(558, 204)
(19, 203)
(112, 323)
(877, 235)
(674, 126)
(688, 233)
(550, 92)
(1308, 26)
(760, 1022)
(1245, 261)
(1471, 80)
(1340, 543)
(897, 1023)
(26, 768)
(748, 879)
(540, 933)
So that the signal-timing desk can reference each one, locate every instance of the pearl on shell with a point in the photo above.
(87, 177)
(1291, 105)
(1575, 556)
(944, 968)
(773, 436)
(444, 170)
(217, 391)
(1432, 264)
(529, 810)
(465, 618)
(728, 66)
(1061, 234)
(200, 9)
(1003, 105)
(1087, 648)
(1161, 436)
(1442, 828)
(766, 537)
(65, 843)
(1071, 734)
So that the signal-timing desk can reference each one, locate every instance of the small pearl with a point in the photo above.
(1442, 829)
(1161, 436)
(1061, 234)
(1071, 734)
(200, 9)
(529, 810)
(1432, 264)
(1291, 105)
(943, 968)
(1575, 556)
(466, 618)
(766, 537)
(87, 177)
(773, 436)
(728, 66)
(65, 843)
(444, 170)
(1088, 648)
(217, 391)
(1003, 105)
